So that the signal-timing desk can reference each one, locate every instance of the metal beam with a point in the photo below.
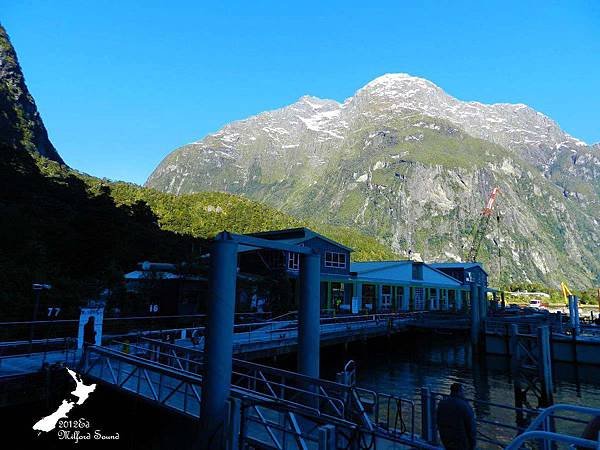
(252, 241)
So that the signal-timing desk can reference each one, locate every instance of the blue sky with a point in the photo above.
(121, 83)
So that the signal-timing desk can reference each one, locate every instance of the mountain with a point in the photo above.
(20, 122)
(409, 164)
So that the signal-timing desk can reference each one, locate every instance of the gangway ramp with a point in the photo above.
(277, 408)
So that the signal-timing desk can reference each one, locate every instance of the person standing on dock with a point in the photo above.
(456, 421)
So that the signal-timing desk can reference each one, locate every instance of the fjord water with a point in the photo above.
(406, 363)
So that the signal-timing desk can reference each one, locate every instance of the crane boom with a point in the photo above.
(565, 291)
(480, 230)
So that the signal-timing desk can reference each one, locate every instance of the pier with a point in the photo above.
(207, 369)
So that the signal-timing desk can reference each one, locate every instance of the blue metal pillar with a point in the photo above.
(574, 313)
(218, 349)
(358, 295)
(483, 303)
(475, 316)
(309, 315)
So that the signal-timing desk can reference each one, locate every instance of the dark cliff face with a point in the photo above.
(21, 126)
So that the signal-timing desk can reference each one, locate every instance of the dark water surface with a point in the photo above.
(403, 366)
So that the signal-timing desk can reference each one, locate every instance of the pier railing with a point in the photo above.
(370, 410)
(330, 399)
(501, 433)
(542, 430)
(284, 409)
(528, 325)
(276, 408)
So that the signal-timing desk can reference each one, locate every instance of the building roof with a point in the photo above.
(296, 236)
(400, 272)
(369, 266)
(458, 265)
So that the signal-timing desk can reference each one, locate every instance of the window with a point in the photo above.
(334, 259)
(294, 261)
(417, 271)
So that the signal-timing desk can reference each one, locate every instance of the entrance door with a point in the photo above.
(419, 299)
(386, 298)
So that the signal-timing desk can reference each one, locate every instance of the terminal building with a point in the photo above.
(369, 287)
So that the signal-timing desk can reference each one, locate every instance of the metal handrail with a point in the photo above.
(241, 364)
(549, 436)
(545, 413)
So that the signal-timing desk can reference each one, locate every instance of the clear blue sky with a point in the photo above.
(121, 83)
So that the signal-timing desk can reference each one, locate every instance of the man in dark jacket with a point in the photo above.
(456, 421)
(592, 430)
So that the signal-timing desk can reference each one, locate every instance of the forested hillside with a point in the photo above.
(81, 234)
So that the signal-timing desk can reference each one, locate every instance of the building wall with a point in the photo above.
(321, 246)
(478, 276)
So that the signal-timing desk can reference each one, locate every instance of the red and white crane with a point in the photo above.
(481, 228)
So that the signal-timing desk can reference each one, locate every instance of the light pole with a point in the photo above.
(37, 288)
(52, 315)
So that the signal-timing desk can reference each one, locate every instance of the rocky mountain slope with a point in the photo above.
(20, 122)
(409, 164)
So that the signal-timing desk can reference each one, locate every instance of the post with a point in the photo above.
(459, 299)
(219, 341)
(576, 310)
(515, 357)
(357, 298)
(574, 313)
(233, 425)
(309, 326)
(405, 298)
(327, 439)
(483, 302)
(545, 365)
(34, 318)
(502, 300)
(427, 414)
(475, 318)
(494, 302)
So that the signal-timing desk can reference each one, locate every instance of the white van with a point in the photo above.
(537, 304)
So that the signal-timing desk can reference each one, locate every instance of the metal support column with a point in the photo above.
(358, 296)
(574, 313)
(545, 365)
(483, 303)
(427, 416)
(309, 316)
(405, 298)
(219, 341)
(327, 437)
(475, 317)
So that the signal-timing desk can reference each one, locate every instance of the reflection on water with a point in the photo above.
(403, 366)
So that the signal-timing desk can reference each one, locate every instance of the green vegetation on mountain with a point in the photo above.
(56, 230)
(81, 234)
(205, 214)
(20, 123)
